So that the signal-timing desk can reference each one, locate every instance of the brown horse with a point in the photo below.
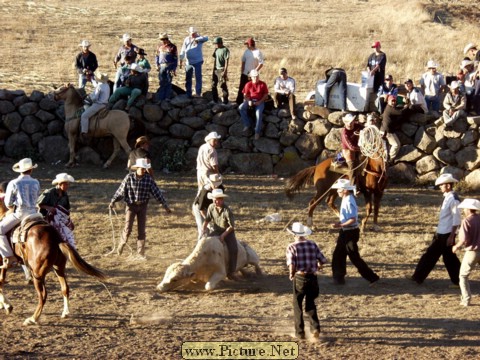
(43, 251)
(116, 124)
(371, 182)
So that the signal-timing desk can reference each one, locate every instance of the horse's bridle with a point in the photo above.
(56, 94)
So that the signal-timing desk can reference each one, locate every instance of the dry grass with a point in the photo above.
(39, 39)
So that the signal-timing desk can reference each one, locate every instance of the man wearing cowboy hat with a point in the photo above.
(140, 151)
(304, 259)
(207, 159)
(135, 190)
(21, 195)
(99, 99)
(166, 61)
(54, 205)
(222, 225)
(350, 149)
(202, 201)
(86, 64)
(192, 53)
(136, 85)
(349, 234)
(469, 237)
(127, 49)
(433, 84)
(455, 104)
(444, 238)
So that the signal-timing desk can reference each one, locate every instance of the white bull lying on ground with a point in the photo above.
(208, 263)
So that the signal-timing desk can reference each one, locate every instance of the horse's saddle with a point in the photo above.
(339, 164)
(19, 233)
(96, 117)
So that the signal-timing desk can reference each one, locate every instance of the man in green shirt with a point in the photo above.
(221, 55)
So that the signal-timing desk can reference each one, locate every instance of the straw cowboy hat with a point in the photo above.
(472, 204)
(454, 85)
(163, 36)
(469, 47)
(431, 64)
(126, 37)
(216, 194)
(63, 178)
(142, 140)
(141, 163)
(212, 135)
(102, 77)
(299, 229)
(445, 179)
(24, 165)
(343, 184)
(215, 179)
(347, 119)
(85, 43)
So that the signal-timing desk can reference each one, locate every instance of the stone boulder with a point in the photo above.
(468, 158)
(473, 180)
(288, 138)
(236, 143)
(18, 146)
(251, 163)
(29, 108)
(181, 131)
(409, 153)
(152, 113)
(296, 126)
(454, 144)
(319, 127)
(401, 173)
(268, 146)
(469, 137)
(336, 117)
(194, 122)
(424, 142)
(428, 178)
(310, 146)
(47, 104)
(455, 171)
(409, 128)
(333, 140)
(13, 121)
(20, 100)
(86, 155)
(445, 156)
(198, 139)
(222, 130)
(54, 149)
(426, 164)
(36, 96)
(6, 107)
(290, 163)
(180, 101)
(31, 125)
(187, 111)
(271, 131)
(44, 116)
(55, 127)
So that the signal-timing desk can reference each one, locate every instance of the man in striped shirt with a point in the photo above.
(304, 258)
(135, 190)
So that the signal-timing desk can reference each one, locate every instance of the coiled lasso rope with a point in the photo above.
(371, 143)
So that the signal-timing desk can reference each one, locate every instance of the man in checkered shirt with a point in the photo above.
(135, 190)
(304, 258)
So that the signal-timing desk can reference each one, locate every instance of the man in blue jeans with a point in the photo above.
(336, 76)
(166, 61)
(192, 52)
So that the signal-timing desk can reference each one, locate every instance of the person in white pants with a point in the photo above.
(21, 194)
(99, 101)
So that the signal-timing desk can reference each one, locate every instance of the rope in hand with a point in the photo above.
(114, 243)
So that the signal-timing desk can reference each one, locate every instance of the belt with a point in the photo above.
(304, 273)
(346, 228)
(138, 202)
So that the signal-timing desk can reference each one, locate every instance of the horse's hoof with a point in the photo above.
(106, 166)
(29, 321)
(8, 309)
(65, 315)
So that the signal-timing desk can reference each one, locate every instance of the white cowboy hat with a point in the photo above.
(216, 193)
(141, 163)
(454, 85)
(253, 73)
(445, 179)
(215, 179)
(163, 36)
(343, 184)
(192, 30)
(472, 204)
(101, 77)
(212, 135)
(24, 165)
(299, 229)
(62, 178)
(469, 47)
(85, 43)
(465, 63)
(347, 119)
(136, 67)
(126, 37)
(431, 64)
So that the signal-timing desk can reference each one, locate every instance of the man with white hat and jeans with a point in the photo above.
(349, 234)
(135, 190)
(222, 223)
(304, 259)
(86, 64)
(432, 83)
(455, 104)
(207, 159)
(21, 195)
(192, 53)
(99, 99)
(444, 238)
(468, 237)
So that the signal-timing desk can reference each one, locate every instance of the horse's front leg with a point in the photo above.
(4, 303)
(368, 208)
(377, 198)
(42, 298)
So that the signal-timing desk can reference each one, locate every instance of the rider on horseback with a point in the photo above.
(350, 149)
(21, 194)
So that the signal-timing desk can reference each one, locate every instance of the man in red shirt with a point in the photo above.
(255, 93)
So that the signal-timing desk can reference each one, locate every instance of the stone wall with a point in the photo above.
(33, 126)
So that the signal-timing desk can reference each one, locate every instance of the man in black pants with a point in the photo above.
(444, 239)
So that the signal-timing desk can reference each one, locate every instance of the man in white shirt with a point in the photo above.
(252, 59)
(416, 101)
(285, 91)
(99, 99)
(207, 159)
(432, 83)
(444, 238)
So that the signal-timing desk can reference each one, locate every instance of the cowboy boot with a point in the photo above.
(141, 248)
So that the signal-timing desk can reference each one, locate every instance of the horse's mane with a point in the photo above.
(76, 98)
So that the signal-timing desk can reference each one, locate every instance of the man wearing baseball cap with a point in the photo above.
(221, 54)
(376, 64)
(252, 59)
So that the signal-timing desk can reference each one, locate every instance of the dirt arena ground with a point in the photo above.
(127, 318)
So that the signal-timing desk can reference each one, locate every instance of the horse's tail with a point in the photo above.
(299, 181)
(78, 262)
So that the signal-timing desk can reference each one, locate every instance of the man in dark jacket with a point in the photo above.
(86, 64)
(136, 85)
(391, 115)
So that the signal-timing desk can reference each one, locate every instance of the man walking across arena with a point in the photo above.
(135, 190)
(207, 159)
(304, 259)
(444, 238)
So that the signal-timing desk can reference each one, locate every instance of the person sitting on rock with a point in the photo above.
(455, 104)
(285, 91)
(387, 88)
(415, 101)
(136, 85)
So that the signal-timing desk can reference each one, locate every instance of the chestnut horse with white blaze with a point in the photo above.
(116, 124)
(43, 251)
(371, 182)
